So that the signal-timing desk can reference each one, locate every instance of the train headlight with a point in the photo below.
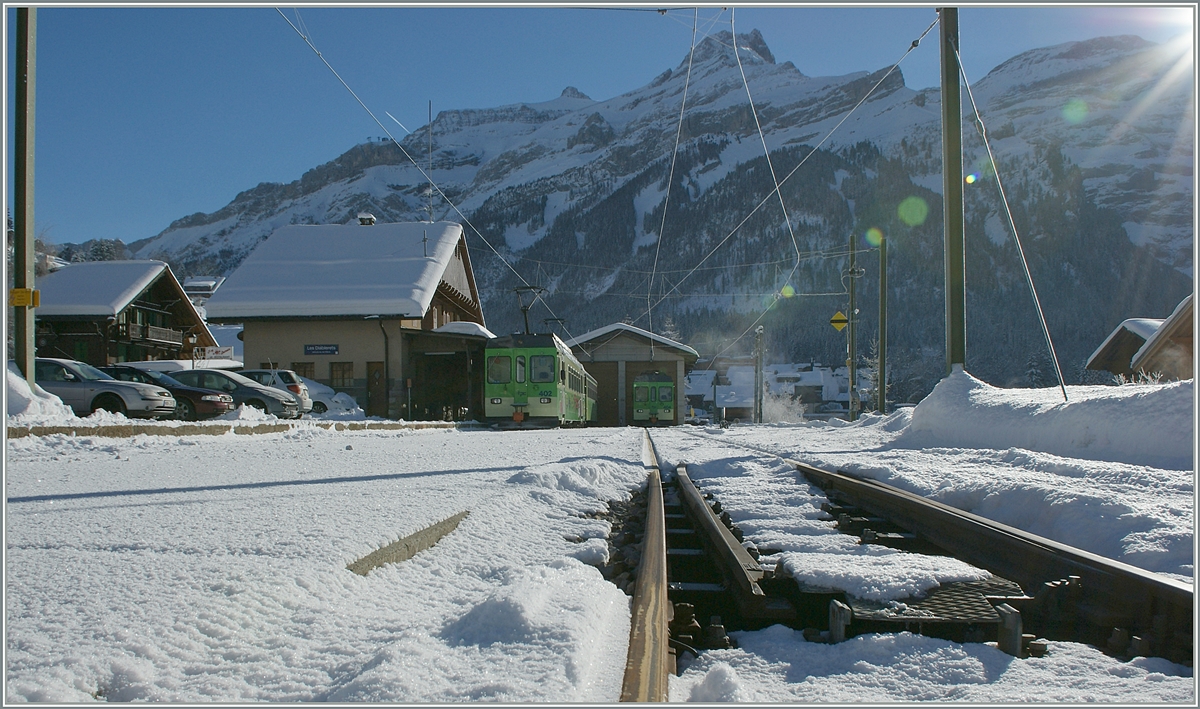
(544, 400)
(496, 400)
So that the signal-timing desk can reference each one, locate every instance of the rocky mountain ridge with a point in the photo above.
(1092, 139)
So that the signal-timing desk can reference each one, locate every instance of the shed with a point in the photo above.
(103, 312)
(1169, 351)
(1116, 352)
(616, 354)
(364, 308)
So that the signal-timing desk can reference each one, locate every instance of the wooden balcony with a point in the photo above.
(134, 333)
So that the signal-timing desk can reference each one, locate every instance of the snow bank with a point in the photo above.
(29, 406)
(1147, 424)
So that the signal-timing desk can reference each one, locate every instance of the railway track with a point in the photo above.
(696, 582)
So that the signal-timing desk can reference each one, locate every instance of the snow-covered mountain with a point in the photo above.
(1093, 140)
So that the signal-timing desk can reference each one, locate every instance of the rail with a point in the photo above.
(648, 663)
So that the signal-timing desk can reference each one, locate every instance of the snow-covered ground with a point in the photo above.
(213, 568)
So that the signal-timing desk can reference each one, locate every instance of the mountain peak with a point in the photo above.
(572, 92)
(752, 46)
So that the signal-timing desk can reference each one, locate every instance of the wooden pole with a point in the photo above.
(23, 239)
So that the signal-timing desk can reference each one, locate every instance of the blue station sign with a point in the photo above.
(320, 349)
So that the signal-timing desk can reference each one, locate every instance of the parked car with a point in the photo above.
(328, 400)
(242, 389)
(284, 380)
(191, 403)
(86, 389)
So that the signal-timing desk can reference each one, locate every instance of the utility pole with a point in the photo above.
(23, 297)
(952, 192)
(881, 352)
(851, 349)
(758, 374)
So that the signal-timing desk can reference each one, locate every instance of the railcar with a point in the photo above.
(653, 399)
(535, 380)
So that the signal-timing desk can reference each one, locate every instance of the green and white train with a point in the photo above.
(534, 380)
(653, 399)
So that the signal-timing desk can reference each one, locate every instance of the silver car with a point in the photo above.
(86, 389)
(283, 380)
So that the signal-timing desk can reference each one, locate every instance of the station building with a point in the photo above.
(616, 354)
(388, 313)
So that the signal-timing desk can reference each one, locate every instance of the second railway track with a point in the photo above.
(697, 581)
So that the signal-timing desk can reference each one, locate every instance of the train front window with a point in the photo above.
(499, 370)
(641, 394)
(664, 393)
(541, 368)
(520, 369)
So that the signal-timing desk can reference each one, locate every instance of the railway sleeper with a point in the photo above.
(1063, 609)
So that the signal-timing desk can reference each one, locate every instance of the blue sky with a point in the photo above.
(146, 115)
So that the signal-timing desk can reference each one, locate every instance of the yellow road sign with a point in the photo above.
(839, 321)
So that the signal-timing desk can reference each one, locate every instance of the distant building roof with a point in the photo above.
(1169, 351)
(96, 288)
(306, 270)
(619, 328)
(1116, 352)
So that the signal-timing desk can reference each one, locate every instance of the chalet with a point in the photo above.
(1116, 353)
(618, 353)
(1159, 347)
(388, 313)
(1169, 351)
(103, 312)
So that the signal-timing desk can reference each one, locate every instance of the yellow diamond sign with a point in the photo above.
(839, 321)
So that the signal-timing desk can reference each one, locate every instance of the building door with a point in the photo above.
(607, 409)
(377, 403)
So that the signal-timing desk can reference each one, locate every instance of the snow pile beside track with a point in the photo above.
(1147, 424)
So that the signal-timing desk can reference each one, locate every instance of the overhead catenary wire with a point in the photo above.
(417, 165)
(804, 160)
(766, 151)
(915, 43)
(670, 178)
(1013, 226)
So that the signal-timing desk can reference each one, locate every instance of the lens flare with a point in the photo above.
(787, 291)
(913, 211)
(1075, 111)
(970, 179)
(874, 236)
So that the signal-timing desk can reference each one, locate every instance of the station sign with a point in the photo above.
(320, 349)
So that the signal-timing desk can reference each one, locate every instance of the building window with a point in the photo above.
(305, 369)
(341, 374)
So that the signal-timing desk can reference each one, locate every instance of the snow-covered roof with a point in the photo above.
(1142, 328)
(465, 327)
(619, 327)
(1164, 333)
(305, 270)
(100, 288)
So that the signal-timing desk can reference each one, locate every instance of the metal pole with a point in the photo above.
(952, 192)
(852, 352)
(758, 374)
(23, 238)
(881, 375)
